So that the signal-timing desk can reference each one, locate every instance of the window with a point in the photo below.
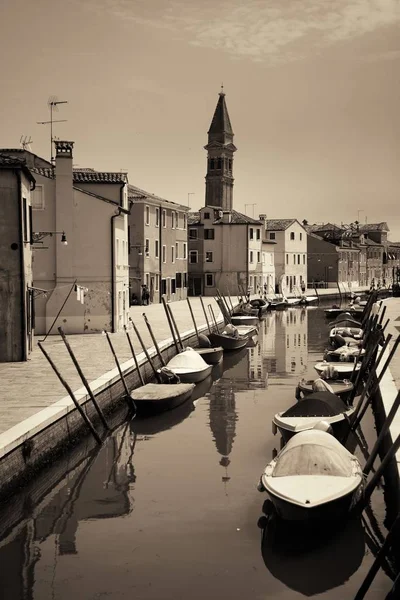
(156, 249)
(163, 286)
(173, 286)
(193, 235)
(301, 236)
(294, 259)
(209, 257)
(258, 257)
(147, 280)
(185, 250)
(25, 219)
(298, 259)
(164, 254)
(177, 250)
(212, 164)
(209, 234)
(287, 259)
(164, 218)
(251, 256)
(206, 215)
(184, 221)
(209, 279)
(117, 251)
(185, 280)
(157, 217)
(172, 220)
(292, 235)
(37, 198)
(251, 230)
(178, 278)
(193, 256)
(272, 236)
(147, 215)
(304, 259)
(157, 283)
(258, 234)
(147, 246)
(172, 253)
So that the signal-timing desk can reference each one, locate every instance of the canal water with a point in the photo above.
(168, 508)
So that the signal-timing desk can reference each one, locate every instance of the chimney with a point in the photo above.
(263, 219)
(64, 207)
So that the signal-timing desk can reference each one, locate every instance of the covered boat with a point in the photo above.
(332, 313)
(347, 332)
(343, 369)
(344, 354)
(314, 478)
(306, 413)
(189, 366)
(230, 338)
(157, 397)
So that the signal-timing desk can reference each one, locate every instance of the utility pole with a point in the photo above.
(253, 205)
(190, 194)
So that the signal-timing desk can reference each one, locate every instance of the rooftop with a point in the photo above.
(14, 162)
(239, 219)
(135, 193)
(85, 175)
(279, 224)
(369, 227)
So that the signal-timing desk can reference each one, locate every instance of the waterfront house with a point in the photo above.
(158, 246)
(80, 246)
(290, 253)
(16, 281)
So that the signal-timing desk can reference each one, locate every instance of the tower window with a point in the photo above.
(212, 164)
(230, 164)
(219, 163)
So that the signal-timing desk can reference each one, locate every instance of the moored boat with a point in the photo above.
(339, 387)
(343, 369)
(332, 313)
(158, 397)
(230, 339)
(314, 478)
(211, 355)
(306, 413)
(344, 354)
(189, 366)
(244, 320)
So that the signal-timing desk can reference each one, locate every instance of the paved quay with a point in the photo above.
(29, 387)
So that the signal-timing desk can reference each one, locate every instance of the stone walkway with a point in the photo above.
(28, 387)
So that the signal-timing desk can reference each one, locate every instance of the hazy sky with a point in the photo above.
(312, 88)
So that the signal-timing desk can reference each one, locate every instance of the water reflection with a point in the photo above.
(283, 347)
(316, 562)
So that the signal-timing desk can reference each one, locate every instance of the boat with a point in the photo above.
(313, 478)
(355, 333)
(244, 320)
(260, 304)
(230, 339)
(344, 354)
(189, 366)
(306, 300)
(157, 421)
(211, 355)
(293, 301)
(340, 387)
(157, 397)
(345, 322)
(332, 313)
(343, 369)
(309, 411)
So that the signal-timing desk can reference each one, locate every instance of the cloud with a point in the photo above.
(262, 30)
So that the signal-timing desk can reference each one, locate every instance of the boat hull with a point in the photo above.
(187, 376)
(338, 428)
(211, 356)
(334, 510)
(345, 369)
(244, 320)
(228, 343)
(158, 397)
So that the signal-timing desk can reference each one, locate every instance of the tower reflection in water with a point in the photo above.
(283, 345)
(97, 486)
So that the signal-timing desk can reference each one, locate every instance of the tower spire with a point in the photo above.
(220, 148)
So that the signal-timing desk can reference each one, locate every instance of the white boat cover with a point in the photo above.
(340, 367)
(314, 452)
(189, 359)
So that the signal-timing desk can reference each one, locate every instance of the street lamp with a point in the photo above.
(38, 236)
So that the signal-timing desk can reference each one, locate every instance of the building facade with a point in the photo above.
(85, 280)
(290, 253)
(158, 246)
(16, 280)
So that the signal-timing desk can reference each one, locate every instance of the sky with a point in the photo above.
(312, 89)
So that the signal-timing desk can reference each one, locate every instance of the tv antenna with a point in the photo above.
(53, 103)
(25, 143)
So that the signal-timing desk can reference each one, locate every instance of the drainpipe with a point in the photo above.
(247, 258)
(22, 263)
(160, 217)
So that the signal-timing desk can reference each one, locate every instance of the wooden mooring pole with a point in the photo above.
(128, 396)
(153, 339)
(194, 320)
(72, 395)
(205, 314)
(134, 356)
(82, 376)
(146, 352)
(171, 327)
(178, 335)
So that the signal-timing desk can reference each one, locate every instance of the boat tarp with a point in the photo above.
(309, 453)
(188, 359)
(319, 404)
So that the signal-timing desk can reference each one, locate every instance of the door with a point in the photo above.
(195, 285)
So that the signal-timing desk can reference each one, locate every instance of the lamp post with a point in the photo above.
(38, 236)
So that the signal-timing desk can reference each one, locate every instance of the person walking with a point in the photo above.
(145, 294)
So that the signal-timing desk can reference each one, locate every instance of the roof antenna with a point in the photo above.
(25, 143)
(52, 103)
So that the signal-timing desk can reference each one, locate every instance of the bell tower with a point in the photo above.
(220, 149)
